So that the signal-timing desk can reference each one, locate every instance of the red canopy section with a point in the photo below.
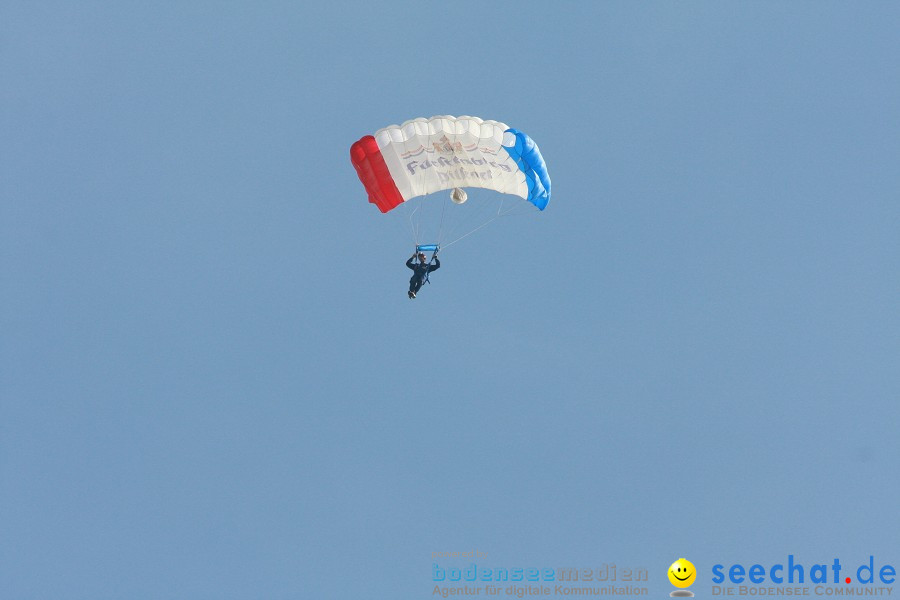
(374, 174)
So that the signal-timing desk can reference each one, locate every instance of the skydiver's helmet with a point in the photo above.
(421, 257)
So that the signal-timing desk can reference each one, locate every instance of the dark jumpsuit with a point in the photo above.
(420, 272)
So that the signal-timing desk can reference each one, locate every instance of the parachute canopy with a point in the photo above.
(424, 156)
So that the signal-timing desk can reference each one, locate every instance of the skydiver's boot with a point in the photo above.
(411, 294)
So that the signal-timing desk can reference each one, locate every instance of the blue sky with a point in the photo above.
(214, 386)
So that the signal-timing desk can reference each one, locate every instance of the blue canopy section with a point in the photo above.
(527, 155)
(427, 248)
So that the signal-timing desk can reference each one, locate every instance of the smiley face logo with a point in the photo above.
(682, 573)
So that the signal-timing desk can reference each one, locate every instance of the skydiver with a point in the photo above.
(420, 272)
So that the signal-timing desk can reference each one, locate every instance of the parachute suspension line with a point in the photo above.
(478, 209)
(422, 201)
(517, 208)
(440, 236)
(505, 208)
(414, 216)
(483, 225)
(414, 227)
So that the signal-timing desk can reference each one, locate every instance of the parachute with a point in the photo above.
(400, 163)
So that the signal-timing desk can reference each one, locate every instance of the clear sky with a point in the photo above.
(213, 386)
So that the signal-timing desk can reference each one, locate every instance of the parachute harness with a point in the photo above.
(430, 262)
(428, 270)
